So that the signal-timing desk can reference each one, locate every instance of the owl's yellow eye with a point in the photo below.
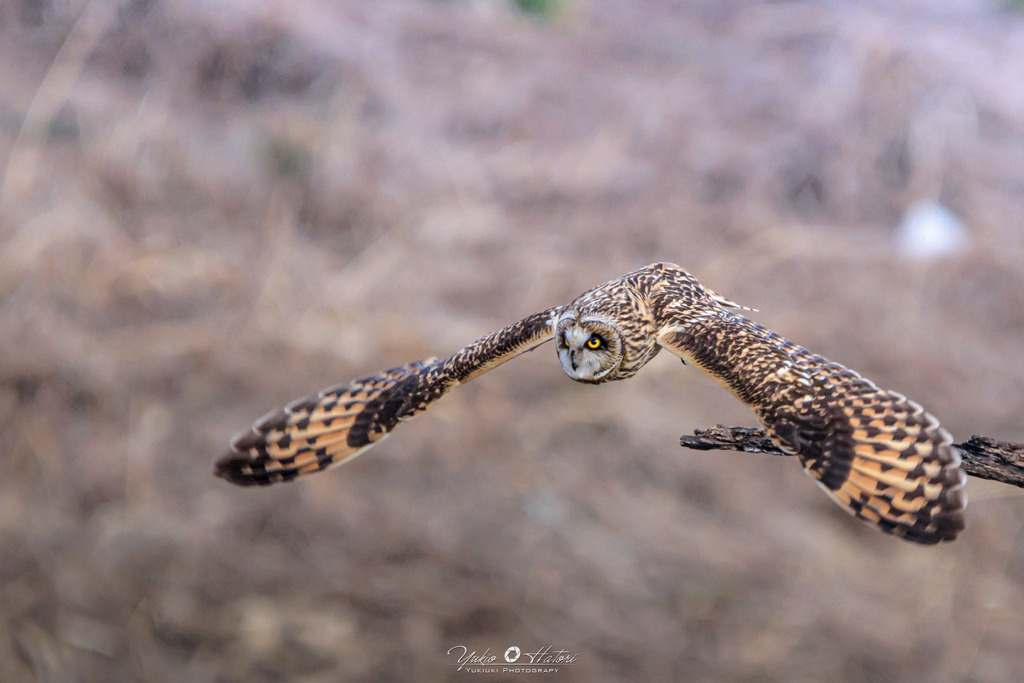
(595, 342)
(565, 342)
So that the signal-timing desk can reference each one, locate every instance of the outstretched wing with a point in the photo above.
(337, 424)
(876, 453)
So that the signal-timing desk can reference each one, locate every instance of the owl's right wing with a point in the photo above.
(324, 430)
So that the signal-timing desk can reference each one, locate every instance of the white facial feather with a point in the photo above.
(578, 361)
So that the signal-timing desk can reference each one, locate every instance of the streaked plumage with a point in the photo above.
(876, 453)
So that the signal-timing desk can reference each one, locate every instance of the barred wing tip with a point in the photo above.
(232, 466)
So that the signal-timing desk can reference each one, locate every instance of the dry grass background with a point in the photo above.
(208, 210)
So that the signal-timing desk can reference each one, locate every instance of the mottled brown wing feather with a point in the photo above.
(876, 453)
(337, 424)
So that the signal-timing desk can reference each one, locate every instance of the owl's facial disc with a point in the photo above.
(588, 349)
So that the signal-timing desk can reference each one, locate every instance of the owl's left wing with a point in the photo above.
(876, 453)
(337, 424)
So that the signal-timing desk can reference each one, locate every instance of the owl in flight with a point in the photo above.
(877, 454)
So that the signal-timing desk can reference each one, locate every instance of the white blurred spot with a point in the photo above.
(546, 507)
(928, 231)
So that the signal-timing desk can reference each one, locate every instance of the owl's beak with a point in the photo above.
(572, 359)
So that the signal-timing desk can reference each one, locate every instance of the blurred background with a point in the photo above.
(209, 209)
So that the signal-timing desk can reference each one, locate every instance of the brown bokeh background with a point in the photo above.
(209, 209)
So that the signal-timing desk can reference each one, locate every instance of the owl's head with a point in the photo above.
(589, 347)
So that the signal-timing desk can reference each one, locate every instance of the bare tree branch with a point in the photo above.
(982, 457)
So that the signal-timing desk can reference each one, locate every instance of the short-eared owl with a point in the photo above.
(876, 453)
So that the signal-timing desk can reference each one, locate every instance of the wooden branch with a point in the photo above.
(982, 457)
